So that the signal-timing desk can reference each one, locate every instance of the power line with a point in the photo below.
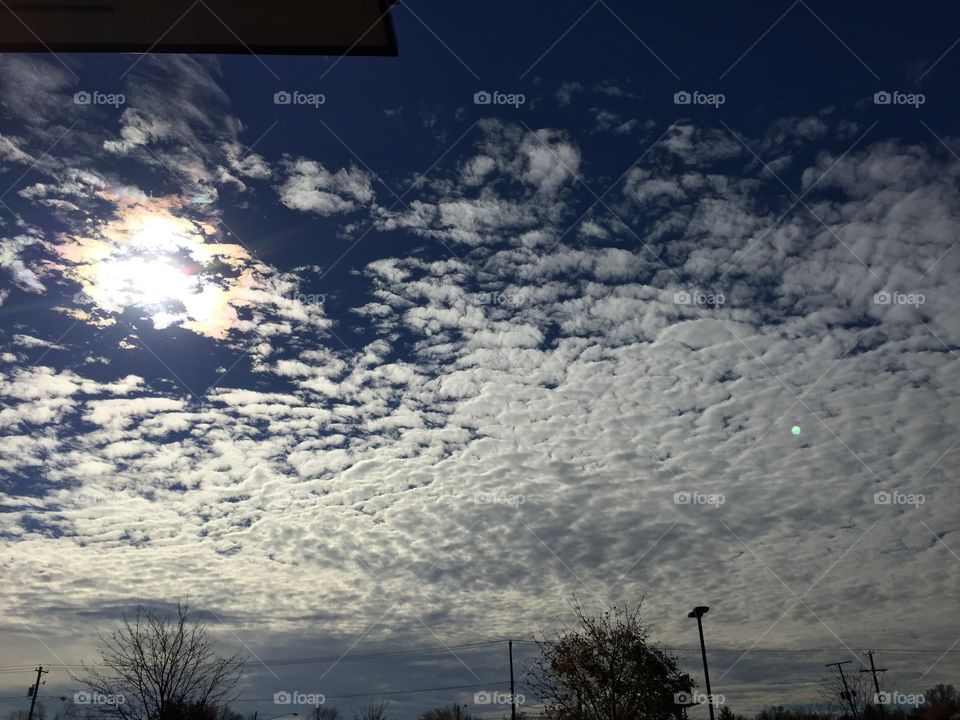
(13, 669)
(779, 651)
(307, 660)
(390, 692)
(489, 683)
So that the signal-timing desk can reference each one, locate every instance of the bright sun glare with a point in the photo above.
(153, 260)
(145, 281)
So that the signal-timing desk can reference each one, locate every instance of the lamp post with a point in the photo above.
(698, 613)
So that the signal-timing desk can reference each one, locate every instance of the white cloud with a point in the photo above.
(309, 186)
(543, 366)
(566, 92)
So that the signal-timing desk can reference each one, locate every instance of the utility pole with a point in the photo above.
(846, 688)
(35, 690)
(876, 684)
(513, 695)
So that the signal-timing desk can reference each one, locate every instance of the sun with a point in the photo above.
(145, 281)
(143, 259)
(149, 258)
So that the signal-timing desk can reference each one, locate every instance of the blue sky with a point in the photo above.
(399, 370)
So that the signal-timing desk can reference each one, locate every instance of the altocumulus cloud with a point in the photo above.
(551, 378)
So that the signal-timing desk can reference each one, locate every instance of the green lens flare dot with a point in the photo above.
(795, 429)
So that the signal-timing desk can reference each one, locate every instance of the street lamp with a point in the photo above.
(698, 613)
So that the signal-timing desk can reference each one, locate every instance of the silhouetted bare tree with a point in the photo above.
(327, 712)
(160, 666)
(941, 702)
(376, 711)
(449, 712)
(795, 712)
(861, 692)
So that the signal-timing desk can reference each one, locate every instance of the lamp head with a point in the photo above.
(698, 612)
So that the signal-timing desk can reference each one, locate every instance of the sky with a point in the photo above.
(615, 301)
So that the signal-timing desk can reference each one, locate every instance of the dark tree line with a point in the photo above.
(596, 667)
(941, 702)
